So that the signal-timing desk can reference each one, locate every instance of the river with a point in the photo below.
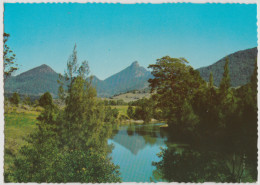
(135, 148)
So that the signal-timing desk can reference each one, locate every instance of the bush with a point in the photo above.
(15, 99)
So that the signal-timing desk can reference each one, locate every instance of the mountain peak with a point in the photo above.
(39, 70)
(135, 64)
(45, 67)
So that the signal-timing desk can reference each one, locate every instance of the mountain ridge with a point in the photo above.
(241, 67)
(43, 78)
(38, 80)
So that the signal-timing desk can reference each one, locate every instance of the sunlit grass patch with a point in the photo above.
(17, 127)
(121, 108)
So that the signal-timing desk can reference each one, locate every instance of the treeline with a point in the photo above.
(144, 109)
(70, 144)
(212, 120)
(16, 99)
(114, 102)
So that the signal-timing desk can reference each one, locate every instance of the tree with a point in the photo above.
(144, 110)
(46, 100)
(226, 97)
(211, 80)
(111, 115)
(225, 82)
(174, 83)
(70, 146)
(130, 112)
(27, 100)
(9, 58)
(15, 99)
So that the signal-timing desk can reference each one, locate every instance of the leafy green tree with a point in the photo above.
(70, 146)
(15, 99)
(46, 100)
(120, 102)
(144, 110)
(174, 83)
(111, 115)
(112, 102)
(130, 112)
(9, 58)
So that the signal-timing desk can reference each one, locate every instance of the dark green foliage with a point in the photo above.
(46, 100)
(130, 112)
(15, 99)
(211, 82)
(69, 145)
(9, 58)
(111, 115)
(144, 110)
(121, 102)
(23, 96)
(225, 81)
(212, 120)
(198, 166)
(175, 84)
(241, 66)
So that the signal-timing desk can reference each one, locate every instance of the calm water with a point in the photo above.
(135, 148)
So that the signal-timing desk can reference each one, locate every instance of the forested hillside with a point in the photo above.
(241, 67)
(34, 82)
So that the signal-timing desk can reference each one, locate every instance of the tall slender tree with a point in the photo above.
(9, 58)
(225, 82)
(211, 80)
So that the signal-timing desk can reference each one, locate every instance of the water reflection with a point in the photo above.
(146, 153)
(136, 137)
(135, 148)
(192, 165)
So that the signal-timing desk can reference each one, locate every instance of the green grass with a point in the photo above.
(121, 108)
(128, 97)
(17, 127)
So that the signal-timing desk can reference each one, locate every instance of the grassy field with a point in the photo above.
(121, 108)
(17, 126)
(19, 123)
(128, 97)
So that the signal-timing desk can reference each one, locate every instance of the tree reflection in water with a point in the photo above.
(191, 165)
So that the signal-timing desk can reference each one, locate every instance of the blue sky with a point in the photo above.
(111, 36)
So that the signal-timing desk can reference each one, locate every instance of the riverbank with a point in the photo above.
(141, 122)
(129, 121)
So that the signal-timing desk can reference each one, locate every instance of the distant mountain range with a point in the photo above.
(42, 79)
(135, 77)
(34, 82)
(241, 67)
(131, 78)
